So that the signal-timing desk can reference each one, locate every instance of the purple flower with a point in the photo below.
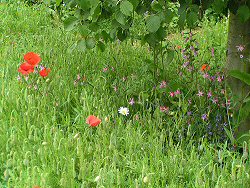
(204, 117)
(240, 48)
(186, 64)
(209, 94)
(189, 113)
(131, 101)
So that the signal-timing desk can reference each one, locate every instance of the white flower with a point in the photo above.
(124, 111)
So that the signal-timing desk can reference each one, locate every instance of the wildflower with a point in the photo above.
(78, 77)
(189, 113)
(131, 101)
(26, 69)
(200, 94)
(18, 78)
(241, 56)
(124, 111)
(186, 64)
(93, 121)
(215, 100)
(32, 58)
(219, 79)
(205, 67)
(164, 109)
(45, 72)
(163, 84)
(177, 92)
(172, 94)
(240, 48)
(209, 94)
(212, 52)
(178, 47)
(206, 75)
(204, 117)
(124, 79)
(105, 69)
(115, 88)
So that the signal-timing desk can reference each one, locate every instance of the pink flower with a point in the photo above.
(219, 79)
(209, 94)
(172, 94)
(240, 48)
(200, 94)
(177, 92)
(164, 109)
(212, 52)
(105, 69)
(163, 84)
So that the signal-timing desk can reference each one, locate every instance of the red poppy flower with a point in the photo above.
(26, 66)
(36, 186)
(205, 67)
(93, 121)
(24, 72)
(32, 58)
(45, 72)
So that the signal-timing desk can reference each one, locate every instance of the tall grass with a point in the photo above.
(45, 140)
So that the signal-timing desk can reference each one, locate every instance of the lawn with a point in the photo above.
(46, 142)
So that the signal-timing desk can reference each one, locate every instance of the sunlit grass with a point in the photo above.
(44, 136)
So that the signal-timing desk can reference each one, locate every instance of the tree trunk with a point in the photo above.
(239, 34)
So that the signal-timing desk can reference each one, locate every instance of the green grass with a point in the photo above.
(45, 140)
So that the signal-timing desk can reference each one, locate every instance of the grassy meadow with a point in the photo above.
(45, 141)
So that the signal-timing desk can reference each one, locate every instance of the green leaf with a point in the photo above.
(244, 111)
(246, 100)
(70, 23)
(90, 43)
(135, 3)
(156, 6)
(84, 4)
(58, 2)
(121, 18)
(243, 138)
(230, 135)
(101, 46)
(84, 30)
(219, 6)
(153, 23)
(243, 13)
(81, 45)
(192, 18)
(126, 8)
(243, 76)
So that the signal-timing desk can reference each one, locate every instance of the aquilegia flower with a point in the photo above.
(124, 111)
(93, 121)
